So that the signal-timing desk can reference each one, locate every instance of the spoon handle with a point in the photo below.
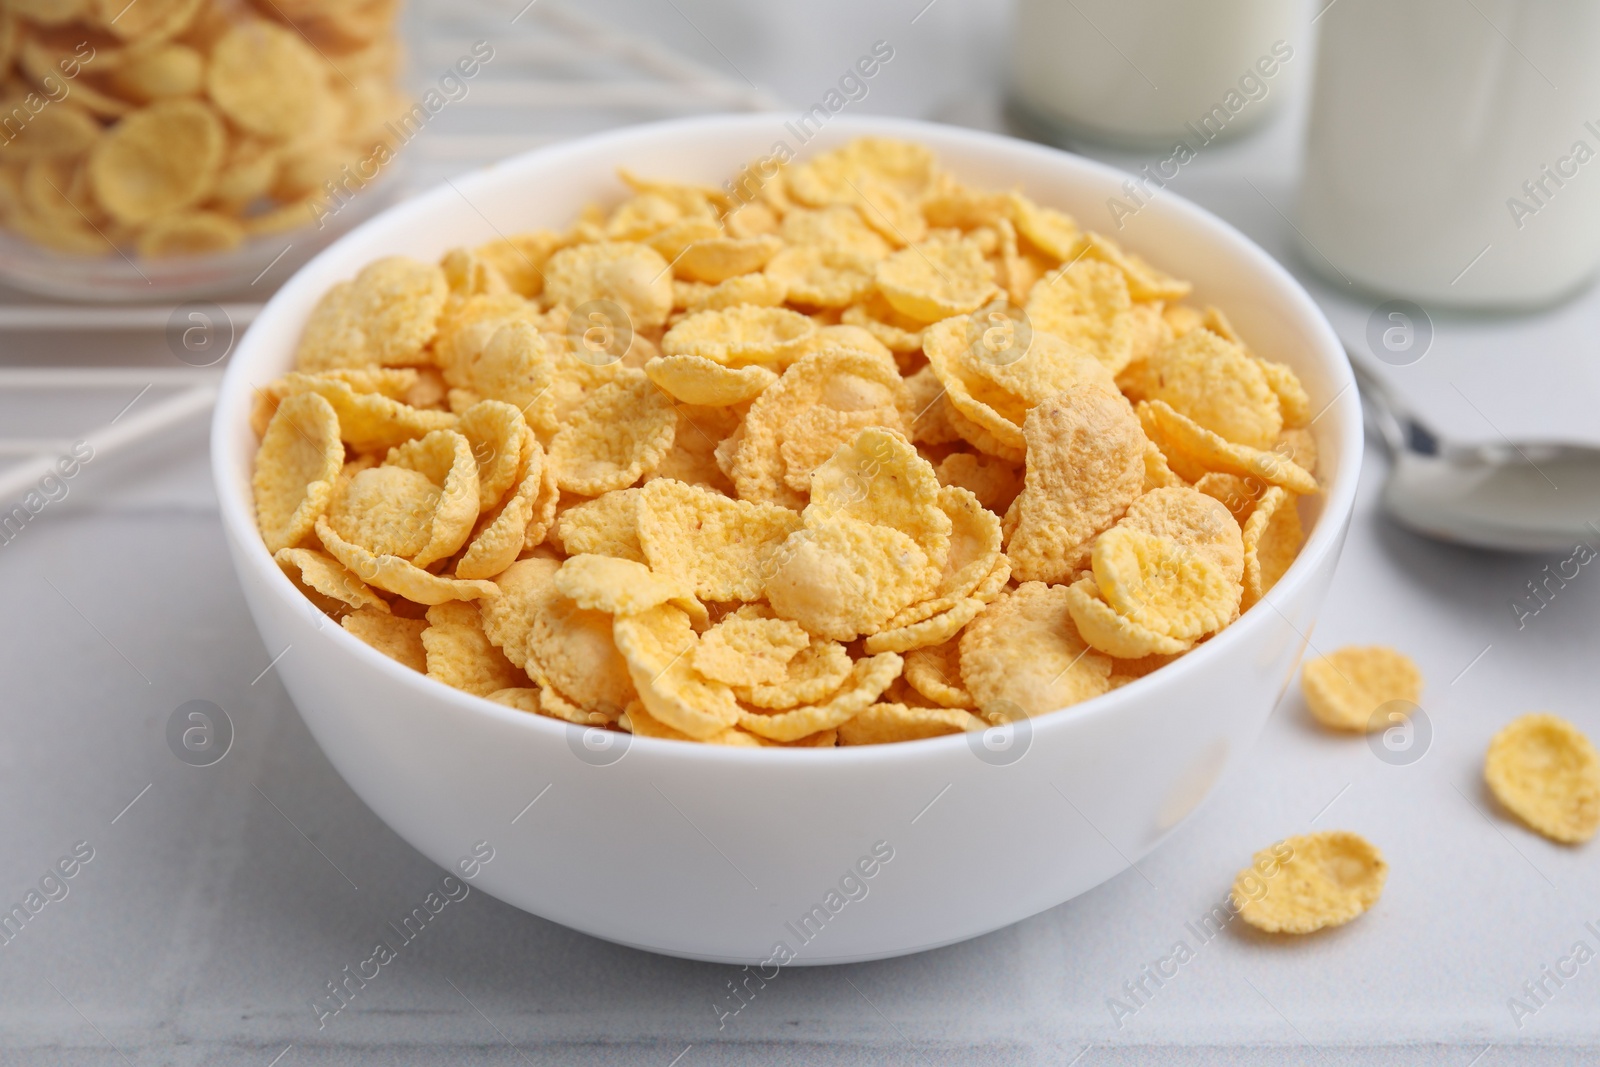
(1383, 414)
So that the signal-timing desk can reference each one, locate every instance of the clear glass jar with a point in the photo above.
(1147, 73)
(171, 148)
(1453, 160)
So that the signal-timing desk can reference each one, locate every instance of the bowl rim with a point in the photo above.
(1325, 539)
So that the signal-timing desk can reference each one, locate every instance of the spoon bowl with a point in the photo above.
(1510, 497)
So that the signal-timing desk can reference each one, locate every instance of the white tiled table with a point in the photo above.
(222, 899)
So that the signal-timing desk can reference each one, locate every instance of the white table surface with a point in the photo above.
(218, 903)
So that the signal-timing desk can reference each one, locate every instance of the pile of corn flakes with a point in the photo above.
(866, 455)
(183, 127)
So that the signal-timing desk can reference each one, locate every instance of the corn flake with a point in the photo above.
(622, 587)
(1023, 653)
(459, 655)
(518, 524)
(1236, 494)
(189, 233)
(1327, 879)
(398, 575)
(975, 541)
(758, 290)
(933, 630)
(1055, 233)
(267, 80)
(1151, 332)
(632, 276)
(880, 478)
(908, 167)
(1545, 771)
(520, 259)
(1162, 585)
(1299, 447)
(1293, 402)
(1114, 634)
(993, 481)
(984, 413)
(892, 329)
(659, 646)
(369, 420)
(642, 216)
(720, 548)
(693, 458)
(739, 335)
(1144, 281)
(701, 381)
(934, 671)
(837, 229)
(1192, 450)
(621, 432)
(497, 353)
(837, 379)
(159, 159)
(1345, 689)
(1193, 520)
(607, 525)
(1157, 475)
(983, 439)
(398, 638)
(508, 618)
(1218, 385)
(1047, 366)
(1272, 536)
(1181, 318)
(520, 697)
(936, 279)
(445, 459)
(385, 316)
(296, 469)
(326, 582)
(746, 650)
(1085, 466)
(501, 443)
(842, 577)
(883, 179)
(821, 276)
(720, 258)
(867, 681)
(1086, 304)
(572, 650)
(884, 723)
(499, 537)
(556, 706)
(468, 274)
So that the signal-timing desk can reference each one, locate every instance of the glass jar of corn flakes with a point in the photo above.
(172, 148)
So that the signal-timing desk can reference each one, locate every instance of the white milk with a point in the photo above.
(1139, 73)
(1454, 161)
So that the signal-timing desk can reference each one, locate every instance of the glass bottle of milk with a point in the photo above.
(1453, 150)
(1146, 73)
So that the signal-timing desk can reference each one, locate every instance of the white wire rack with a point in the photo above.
(555, 74)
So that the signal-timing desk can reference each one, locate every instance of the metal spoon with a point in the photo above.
(1512, 497)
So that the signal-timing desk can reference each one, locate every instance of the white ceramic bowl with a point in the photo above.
(717, 853)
